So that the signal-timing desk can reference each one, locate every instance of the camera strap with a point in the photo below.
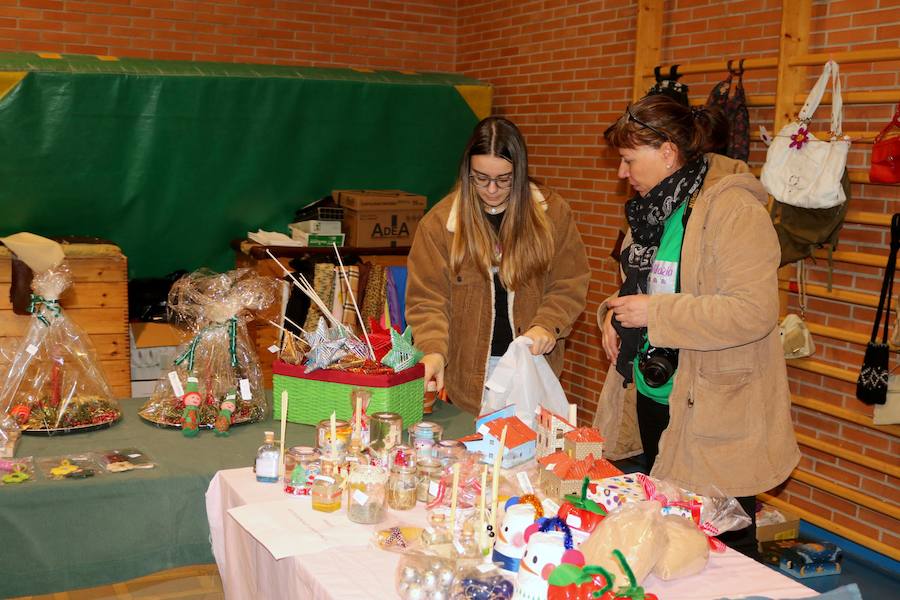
(684, 221)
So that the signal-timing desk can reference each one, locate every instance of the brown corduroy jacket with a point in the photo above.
(730, 420)
(452, 314)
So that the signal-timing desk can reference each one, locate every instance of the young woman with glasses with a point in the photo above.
(499, 257)
(695, 323)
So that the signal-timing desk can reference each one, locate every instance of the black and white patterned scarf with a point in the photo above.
(647, 218)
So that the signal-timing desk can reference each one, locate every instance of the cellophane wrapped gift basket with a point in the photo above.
(54, 383)
(216, 380)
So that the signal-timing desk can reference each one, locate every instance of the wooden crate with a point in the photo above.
(97, 302)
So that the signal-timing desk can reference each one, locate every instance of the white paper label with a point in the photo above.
(485, 567)
(326, 479)
(433, 488)
(551, 466)
(31, 349)
(273, 349)
(359, 497)
(524, 482)
(550, 507)
(133, 455)
(176, 384)
(573, 520)
(459, 547)
(245, 390)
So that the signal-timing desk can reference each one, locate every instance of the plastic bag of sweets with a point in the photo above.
(216, 379)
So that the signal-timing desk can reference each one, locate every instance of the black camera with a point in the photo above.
(657, 365)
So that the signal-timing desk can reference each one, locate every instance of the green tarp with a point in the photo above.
(173, 160)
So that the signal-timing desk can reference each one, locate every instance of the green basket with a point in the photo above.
(312, 397)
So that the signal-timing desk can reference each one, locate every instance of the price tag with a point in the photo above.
(31, 349)
(483, 430)
(176, 384)
(484, 568)
(573, 520)
(360, 497)
(524, 482)
(550, 507)
(551, 466)
(245, 389)
(328, 480)
(433, 488)
(273, 349)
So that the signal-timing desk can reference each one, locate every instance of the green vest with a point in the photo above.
(663, 279)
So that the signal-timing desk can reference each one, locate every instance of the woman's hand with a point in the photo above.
(631, 311)
(543, 340)
(610, 338)
(434, 369)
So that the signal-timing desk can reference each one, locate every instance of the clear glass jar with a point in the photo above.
(449, 451)
(429, 475)
(342, 433)
(366, 494)
(423, 437)
(298, 478)
(327, 489)
(402, 482)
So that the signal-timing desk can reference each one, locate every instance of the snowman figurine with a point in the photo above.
(544, 550)
(520, 513)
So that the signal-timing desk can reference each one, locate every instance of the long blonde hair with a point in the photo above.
(525, 237)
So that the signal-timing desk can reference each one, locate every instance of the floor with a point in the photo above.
(197, 582)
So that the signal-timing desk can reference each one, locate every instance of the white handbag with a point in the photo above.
(802, 170)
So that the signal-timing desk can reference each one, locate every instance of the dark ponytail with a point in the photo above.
(656, 119)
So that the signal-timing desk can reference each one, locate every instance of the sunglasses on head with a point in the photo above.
(631, 117)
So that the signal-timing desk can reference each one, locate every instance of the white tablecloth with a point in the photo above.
(362, 572)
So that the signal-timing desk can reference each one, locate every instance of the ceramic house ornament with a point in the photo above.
(551, 429)
(510, 544)
(582, 441)
(560, 474)
(520, 439)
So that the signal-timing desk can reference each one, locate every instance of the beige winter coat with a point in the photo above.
(452, 314)
(730, 421)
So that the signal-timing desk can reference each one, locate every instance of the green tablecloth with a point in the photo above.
(62, 535)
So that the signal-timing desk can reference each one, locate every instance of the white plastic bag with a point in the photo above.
(525, 380)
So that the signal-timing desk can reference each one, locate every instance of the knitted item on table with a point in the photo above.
(190, 417)
(323, 283)
(375, 293)
(349, 315)
(226, 409)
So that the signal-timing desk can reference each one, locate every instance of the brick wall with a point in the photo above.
(415, 35)
(563, 72)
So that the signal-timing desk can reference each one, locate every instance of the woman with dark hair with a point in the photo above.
(695, 323)
(497, 258)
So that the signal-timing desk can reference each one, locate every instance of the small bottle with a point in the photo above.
(327, 489)
(267, 460)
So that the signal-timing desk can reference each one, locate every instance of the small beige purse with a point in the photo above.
(795, 336)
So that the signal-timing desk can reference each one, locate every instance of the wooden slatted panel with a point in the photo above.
(97, 302)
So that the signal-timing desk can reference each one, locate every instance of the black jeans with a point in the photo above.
(653, 418)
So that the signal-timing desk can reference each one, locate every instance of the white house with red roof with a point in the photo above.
(520, 441)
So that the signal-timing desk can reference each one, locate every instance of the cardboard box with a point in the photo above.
(316, 226)
(788, 530)
(317, 240)
(380, 218)
(153, 349)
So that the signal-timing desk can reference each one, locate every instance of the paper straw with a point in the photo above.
(284, 408)
(290, 333)
(353, 299)
(481, 529)
(310, 292)
(453, 497)
(333, 438)
(495, 489)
